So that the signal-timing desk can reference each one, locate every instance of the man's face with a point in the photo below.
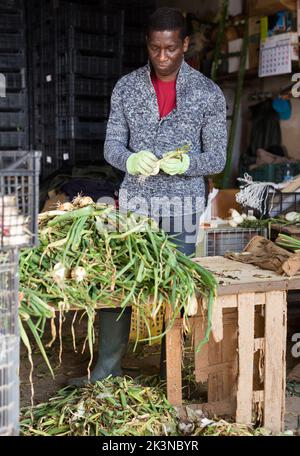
(166, 50)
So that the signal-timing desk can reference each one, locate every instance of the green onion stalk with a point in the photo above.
(90, 254)
(288, 242)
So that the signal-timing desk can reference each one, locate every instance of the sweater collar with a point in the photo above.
(180, 82)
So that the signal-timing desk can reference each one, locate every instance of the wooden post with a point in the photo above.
(246, 303)
(201, 358)
(275, 339)
(173, 361)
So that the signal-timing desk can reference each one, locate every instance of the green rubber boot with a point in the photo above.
(113, 340)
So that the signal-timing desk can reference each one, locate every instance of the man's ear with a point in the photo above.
(186, 43)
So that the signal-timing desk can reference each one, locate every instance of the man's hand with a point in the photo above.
(174, 166)
(143, 162)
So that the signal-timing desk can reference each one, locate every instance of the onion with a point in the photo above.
(292, 216)
(78, 274)
(233, 223)
(82, 201)
(234, 213)
(59, 272)
(251, 218)
(65, 207)
(238, 219)
(192, 306)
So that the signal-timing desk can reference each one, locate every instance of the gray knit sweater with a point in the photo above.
(134, 124)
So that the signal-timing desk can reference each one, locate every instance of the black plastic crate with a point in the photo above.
(13, 61)
(281, 203)
(12, 120)
(134, 37)
(12, 140)
(85, 87)
(11, 22)
(50, 161)
(19, 197)
(15, 5)
(91, 108)
(13, 101)
(11, 41)
(15, 81)
(88, 152)
(89, 19)
(73, 128)
(88, 42)
(135, 56)
(88, 65)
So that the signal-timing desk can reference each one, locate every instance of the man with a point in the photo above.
(157, 109)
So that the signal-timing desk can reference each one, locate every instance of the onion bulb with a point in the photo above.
(59, 272)
(78, 274)
(65, 207)
(82, 201)
(233, 223)
(192, 306)
(292, 216)
(234, 213)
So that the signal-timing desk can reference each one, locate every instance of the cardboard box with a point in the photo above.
(224, 201)
(53, 200)
(266, 7)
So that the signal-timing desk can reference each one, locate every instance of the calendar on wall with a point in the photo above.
(275, 56)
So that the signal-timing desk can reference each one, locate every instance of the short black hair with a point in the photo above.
(165, 18)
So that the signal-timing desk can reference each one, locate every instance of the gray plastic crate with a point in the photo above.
(13, 101)
(9, 344)
(19, 198)
(12, 120)
(217, 241)
(12, 140)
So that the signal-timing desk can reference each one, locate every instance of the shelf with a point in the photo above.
(250, 75)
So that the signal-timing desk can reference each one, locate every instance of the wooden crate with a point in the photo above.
(244, 361)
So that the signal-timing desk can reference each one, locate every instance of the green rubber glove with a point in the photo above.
(174, 166)
(143, 162)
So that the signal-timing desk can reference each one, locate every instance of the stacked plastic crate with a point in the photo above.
(76, 58)
(19, 184)
(88, 64)
(13, 96)
(136, 13)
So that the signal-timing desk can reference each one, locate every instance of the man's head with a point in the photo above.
(167, 41)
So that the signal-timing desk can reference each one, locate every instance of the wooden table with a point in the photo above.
(244, 361)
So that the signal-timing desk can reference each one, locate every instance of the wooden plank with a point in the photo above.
(201, 358)
(260, 299)
(259, 343)
(173, 361)
(258, 396)
(284, 341)
(229, 301)
(236, 277)
(212, 409)
(246, 305)
(274, 360)
(217, 320)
